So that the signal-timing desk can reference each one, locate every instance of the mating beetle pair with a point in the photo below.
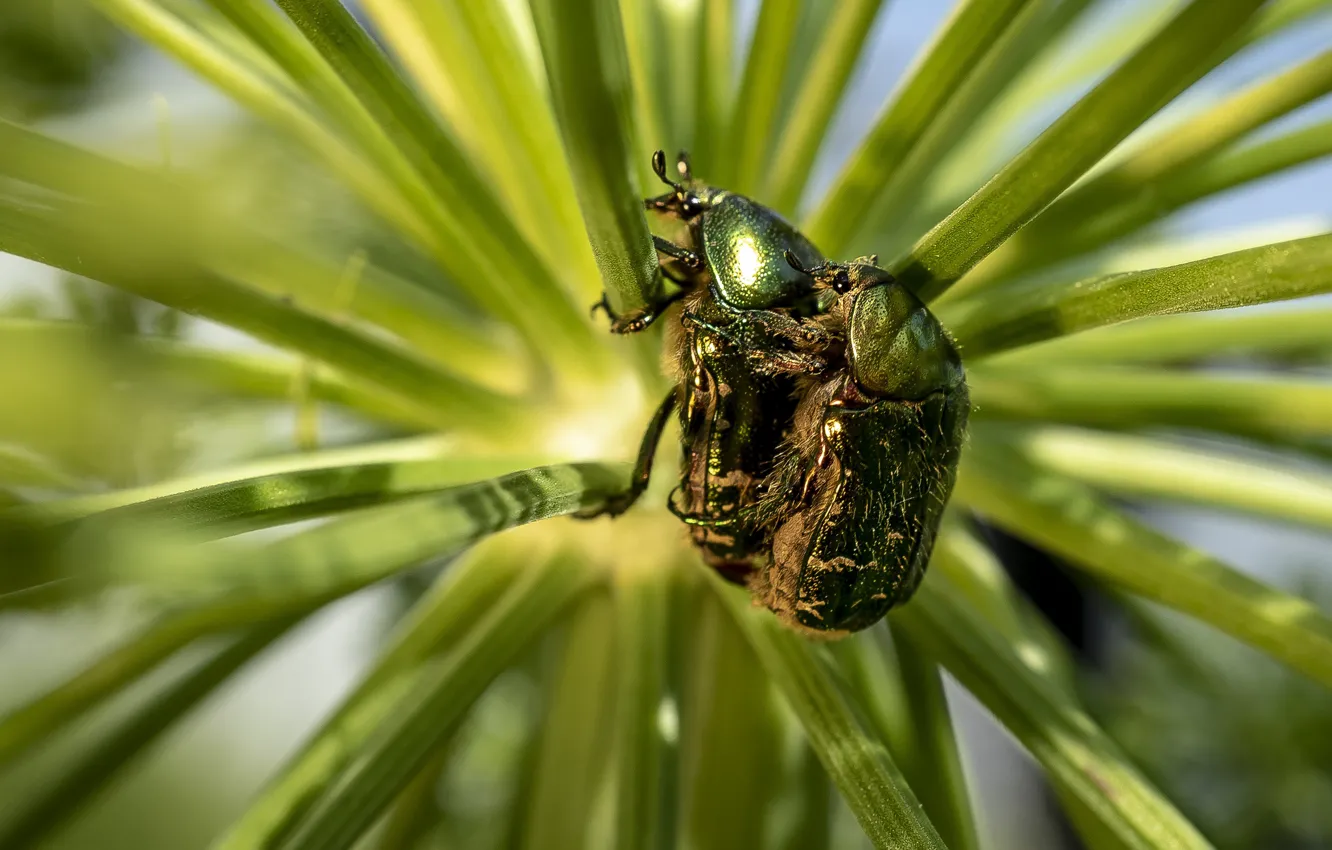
(822, 410)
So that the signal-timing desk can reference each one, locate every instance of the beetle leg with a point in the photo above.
(697, 519)
(752, 338)
(804, 333)
(604, 305)
(687, 258)
(647, 450)
(640, 320)
(787, 363)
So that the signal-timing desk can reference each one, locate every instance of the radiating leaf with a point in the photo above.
(459, 598)
(971, 30)
(902, 702)
(970, 131)
(1079, 758)
(819, 92)
(1059, 68)
(646, 54)
(287, 489)
(495, 252)
(976, 575)
(1069, 520)
(1058, 232)
(436, 194)
(425, 716)
(462, 55)
(1173, 58)
(352, 551)
(118, 205)
(729, 759)
(119, 747)
(1281, 14)
(574, 752)
(1153, 468)
(20, 467)
(82, 241)
(583, 45)
(349, 291)
(679, 28)
(941, 786)
(716, 84)
(998, 319)
(209, 372)
(270, 99)
(416, 810)
(1279, 409)
(221, 587)
(754, 117)
(37, 721)
(1188, 338)
(1235, 166)
(643, 638)
(813, 802)
(860, 767)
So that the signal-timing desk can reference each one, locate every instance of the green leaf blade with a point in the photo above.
(464, 204)
(1190, 338)
(817, 98)
(1281, 410)
(583, 44)
(716, 87)
(730, 734)
(457, 600)
(292, 488)
(941, 786)
(1178, 54)
(427, 714)
(971, 30)
(1058, 231)
(644, 639)
(990, 322)
(572, 755)
(1079, 758)
(121, 746)
(862, 770)
(758, 102)
(1132, 465)
(1070, 520)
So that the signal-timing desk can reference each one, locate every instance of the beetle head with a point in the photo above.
(682, 200)
(861, 273)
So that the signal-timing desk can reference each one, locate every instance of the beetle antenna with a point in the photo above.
(794, 262)
(683, 167)
(659, 168)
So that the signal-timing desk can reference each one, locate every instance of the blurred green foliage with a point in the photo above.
(53, 55)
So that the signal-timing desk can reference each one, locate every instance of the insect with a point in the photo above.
(854, 503)
(822, 408)
(733, 357)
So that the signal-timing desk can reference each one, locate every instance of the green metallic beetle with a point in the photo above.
(739, 339)
(854, 504)
(823, 409)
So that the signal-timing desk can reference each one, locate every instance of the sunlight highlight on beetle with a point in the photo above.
(748, 260)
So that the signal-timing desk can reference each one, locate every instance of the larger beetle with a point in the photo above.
(854, 503)
(739, 338)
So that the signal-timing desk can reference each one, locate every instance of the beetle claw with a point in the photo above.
(604, 305)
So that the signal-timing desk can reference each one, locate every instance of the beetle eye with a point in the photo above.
(842, 282)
